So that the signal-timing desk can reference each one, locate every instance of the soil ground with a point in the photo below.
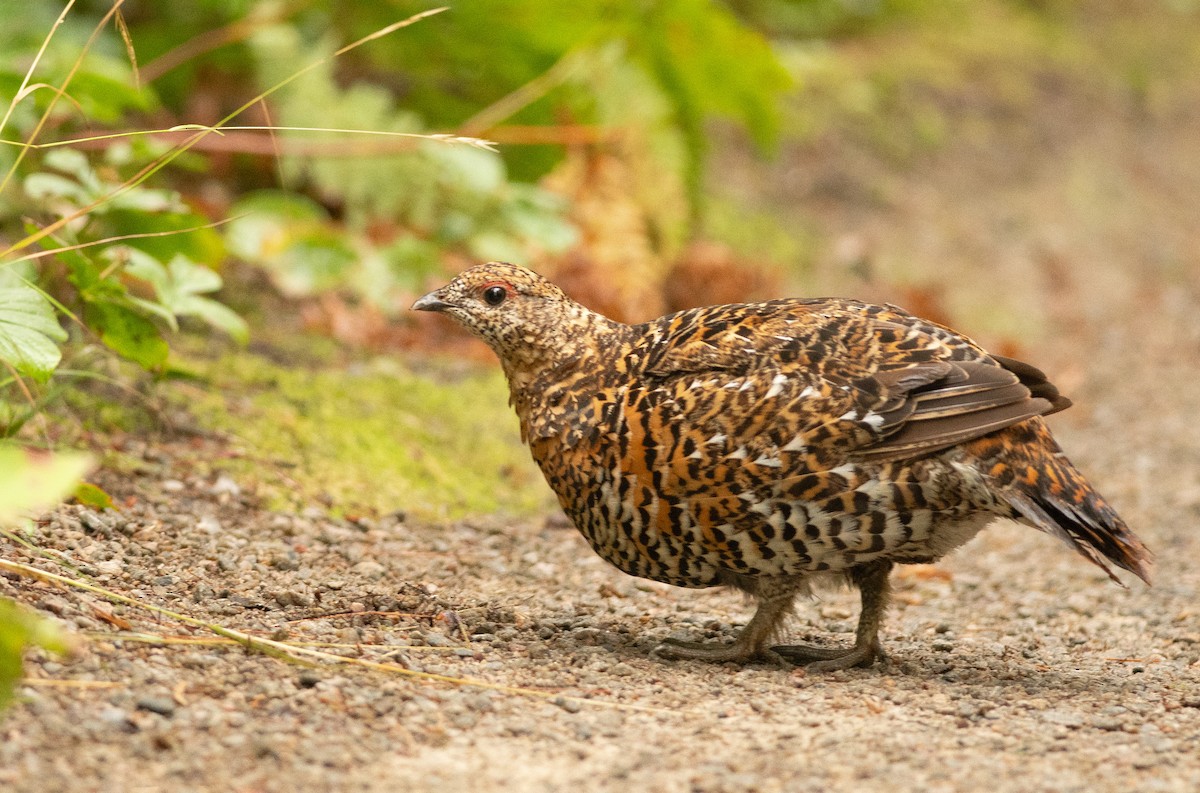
(1015, 665)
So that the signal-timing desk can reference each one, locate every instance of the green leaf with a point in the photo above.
(128, 333)
(189, 278)
(32, 480)
(218, 315)
(179, 287)
(43, 186)
(28, 331)
(70, 161)
(92, 496)
(191, 236)
(20, 628)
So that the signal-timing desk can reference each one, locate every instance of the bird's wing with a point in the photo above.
(807, 385)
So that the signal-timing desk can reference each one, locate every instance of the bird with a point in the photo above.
(771, 446)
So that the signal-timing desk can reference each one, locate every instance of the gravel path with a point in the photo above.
(1015, 665)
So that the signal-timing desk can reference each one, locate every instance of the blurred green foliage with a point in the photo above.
(369, 215)
(30, 481)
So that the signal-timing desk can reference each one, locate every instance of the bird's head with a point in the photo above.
(528, 321)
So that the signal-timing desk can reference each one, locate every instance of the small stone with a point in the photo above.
(199, 660)
(110, 566)
(1158, 743)
(118, 718)
(308, 679)
(369, 569)
(164, 706)
(225, 486)
(479, 702)
(209, 524)
(172, 486)
(569, 705)
(96, 522)
(1066, 718)
(436, 639)
(55, 605)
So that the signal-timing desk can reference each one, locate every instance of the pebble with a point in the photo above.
(292, 597)
(118, 718)
(369, 569)
(199, 660)
(1157, 743)
(1066, 718)
(569, 705)
(225, 486)
(110, 566)
(209, 524)
(434, 639)
(164, 706)
(96, 522)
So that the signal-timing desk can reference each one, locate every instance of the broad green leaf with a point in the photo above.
(42, 186)
(470, 169)
(189, 278)
(70, 161)
(151, 308)
(191, 237)
(178, 287)
(128, 333)
(28, 331)
(218, 315)
(31, 480)
(20, 628)
(140, 265)
(92, 496)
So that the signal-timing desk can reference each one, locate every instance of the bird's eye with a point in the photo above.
(494, 295)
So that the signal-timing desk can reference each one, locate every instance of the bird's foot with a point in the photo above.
(829, 659)
(738, 652)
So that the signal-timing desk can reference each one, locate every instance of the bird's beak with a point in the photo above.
(431, 302)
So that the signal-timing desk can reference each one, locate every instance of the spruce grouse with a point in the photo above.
(767, 445)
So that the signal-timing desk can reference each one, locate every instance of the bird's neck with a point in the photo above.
(550, 376)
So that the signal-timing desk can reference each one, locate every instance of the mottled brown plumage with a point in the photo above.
(765, 445)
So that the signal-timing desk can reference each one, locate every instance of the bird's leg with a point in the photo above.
(872, 581)
(749, 644)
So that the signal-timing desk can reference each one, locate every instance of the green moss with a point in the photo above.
(373, 438)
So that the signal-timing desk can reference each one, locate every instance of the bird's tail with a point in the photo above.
(1028, 469)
